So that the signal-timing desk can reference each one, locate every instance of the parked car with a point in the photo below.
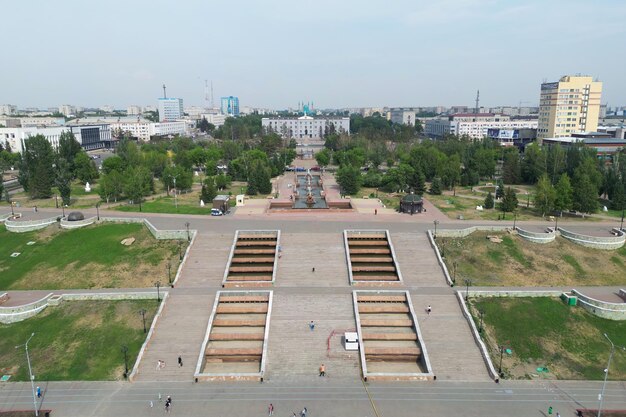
(300, 169)
(216, 212)
(315, 168)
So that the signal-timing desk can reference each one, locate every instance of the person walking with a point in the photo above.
(303, 412)
(429, 309)
(270, 410)
(38, 392)
(312, 325)
(322, 370)
(313, 270)
(180, 361)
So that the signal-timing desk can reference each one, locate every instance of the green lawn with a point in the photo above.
(544, 332)
(168, 205)
(90, 257)
(77, 340)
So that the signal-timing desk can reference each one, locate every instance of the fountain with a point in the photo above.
(308, 192)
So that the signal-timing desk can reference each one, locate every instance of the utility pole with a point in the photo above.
(30, 373)
(476, 109)
(164, 94)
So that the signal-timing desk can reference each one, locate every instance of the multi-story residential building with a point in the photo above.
(7, 109)
(170, 109)
(134, 110)
(402, 116)
(143, 129)
(306, 126)
(474, 125)
(216, 120)
(569, 105)
(31, 121)
(67, 110)
(230, 106)
(90, 137)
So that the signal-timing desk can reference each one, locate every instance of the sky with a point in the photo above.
(335, 53)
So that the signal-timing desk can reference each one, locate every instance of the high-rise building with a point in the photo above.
(8, 109)
(568, 106)
(230, 106)
(170, 109)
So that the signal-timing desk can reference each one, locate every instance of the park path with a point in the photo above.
(182, 326)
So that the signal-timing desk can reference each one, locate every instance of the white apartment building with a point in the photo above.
(134, 110)
(144, 129)
(170, 109)
(216, 120)
(402, 117)
(67, 110)
(305, 126)
(475, 126)
(89, 136)
(7, 109)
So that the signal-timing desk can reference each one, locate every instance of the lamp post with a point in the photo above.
(436, 222)
(98, 211)
(468, 282)
(158, 286)
(514, 218)
(30, 373)
(606, 373)
(556, 223)
(125, 352)
(621, 223)
(63, 207)
(482, 313)
(12, 210)
(454, 265)
(500, 367)
(527, 199)
(143, 316)
(175, 198)
(169, 272)
(180, 250)
(188, 235)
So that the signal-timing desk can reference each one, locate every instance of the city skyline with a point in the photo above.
(351, 54)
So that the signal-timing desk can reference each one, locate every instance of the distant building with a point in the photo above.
(306, 126)
(474, 125)
(67, 110)
(7, 109)
(143, 129)
(216, 120)
(31, 121)
(606, 147)
(134, 110)
(170, 109)
(569, 105)
(512, 137)
(90, 137)
(230, 106)
(403, 117)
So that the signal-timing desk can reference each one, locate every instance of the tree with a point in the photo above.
(489, 202)
(208, 192)
(323, 157)
(138, 184)
(452, 172)
(63, 180)
(68, 149)
(585, 194)
(222, 181)
(619, 198)
(419, 183)
(349, 179)
(545, 195)
(533, 164)
(499, 189)
(36, 167)
(111, 186)
(113, 163)
(563, 194)
(509, 201)
(435, 186)
(84, 168)
(511, 171)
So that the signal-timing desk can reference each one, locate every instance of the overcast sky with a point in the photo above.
(336, 53)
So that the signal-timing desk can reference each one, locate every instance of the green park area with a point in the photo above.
(77, 340)
(90, 257)
(545, 338)
(515, 261)
(182, 204)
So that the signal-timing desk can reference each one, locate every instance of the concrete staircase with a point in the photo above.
(207, 261)
(295, 352)
(418, 263)
(448, 339)
(301, 252)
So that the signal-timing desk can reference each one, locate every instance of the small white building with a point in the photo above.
(306, 126)
(170, 109)
(475, 126)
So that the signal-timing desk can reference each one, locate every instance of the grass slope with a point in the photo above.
(78, 340)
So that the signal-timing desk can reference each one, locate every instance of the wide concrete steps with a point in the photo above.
(206, 261)
(417, 260)
(179, 331)
(449, 342)
(301, 252)
(296, 351)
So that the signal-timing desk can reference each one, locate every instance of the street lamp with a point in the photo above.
(606, 373)
(621, 224)
(125, 352)
(556, 223)
(175, 198)
(12, 210)
(180, 250)
(63, 207)
(527, 199)
(482, 313)
(514, 218)
(169, 272)
(30, 373)
(98, 210)
(468, 282)
(143, 316)
(158, 286)
(188, 235)
(436, 222)
(454, 265)
(500, 367)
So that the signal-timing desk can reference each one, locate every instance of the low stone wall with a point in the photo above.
(158, 234)
(7, 216)
(3, 297)
(18, 313)
(29, 226)
(545, 237)
(622, 293)
(604, 309)
(596, 242)
(77, 224)
(442, 264)
(142, 351)
(468, 231)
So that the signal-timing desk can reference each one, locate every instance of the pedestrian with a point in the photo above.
(294, 414)
(180, 361)
(375, 212)
(312, 325)
(322, 370)
(270, 410)
(160, 397)
(303, 412)
(151, 404)
(429, 309)
(313, 270)
(167, 407)
(38, 392)
(550, 410)
(558, 415)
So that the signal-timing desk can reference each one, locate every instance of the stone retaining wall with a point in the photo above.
(545, 237)
(76, 224)
(468, 231)
(29, 226)
(4, 217)
(442, 264)
(18, 313)
(3, 297)
(142, 351)
(604, 309)
(596, 242)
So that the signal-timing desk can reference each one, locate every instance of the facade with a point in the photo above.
(216, 120)
(474, 125)
(569, 105)
(7, 109)
(513, 137)
(134, 110)
(90, 137)
(306, 126)
(143, 130)
(230, 106)
(67, 110)
(402, 117)
(605, 147)
(170, 109)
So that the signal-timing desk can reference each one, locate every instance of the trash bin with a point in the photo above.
(572, 301)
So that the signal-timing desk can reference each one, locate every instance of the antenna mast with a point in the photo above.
(206, 91)
(164, 94)
(477, 101)
(212, 102)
